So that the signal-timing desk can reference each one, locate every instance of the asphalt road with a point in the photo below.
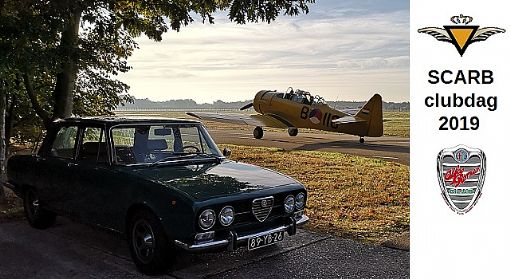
(70, 250)
(387, 148)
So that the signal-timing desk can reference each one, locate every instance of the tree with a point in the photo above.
(76, 47)
(65, 54)
(3, 150)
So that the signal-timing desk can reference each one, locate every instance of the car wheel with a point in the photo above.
(37, 217)
(150, 249)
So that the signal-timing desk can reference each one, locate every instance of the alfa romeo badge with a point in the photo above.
(461, 173)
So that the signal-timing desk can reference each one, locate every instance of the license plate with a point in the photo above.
(265, 240)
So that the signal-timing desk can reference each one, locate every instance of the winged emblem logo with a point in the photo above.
(461, 34)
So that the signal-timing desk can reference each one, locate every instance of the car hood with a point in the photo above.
(203, 181)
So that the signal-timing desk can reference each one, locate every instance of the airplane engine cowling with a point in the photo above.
(262, 100)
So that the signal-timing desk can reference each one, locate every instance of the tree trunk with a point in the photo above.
(2, 126)
(44, 115)
(2, 139)
(9, 118)
(66, 79)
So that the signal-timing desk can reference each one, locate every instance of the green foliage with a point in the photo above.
(48, 66)
(243, 11)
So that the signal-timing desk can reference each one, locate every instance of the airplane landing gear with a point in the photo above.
(293, 131)
(258, 133)
(361, 140)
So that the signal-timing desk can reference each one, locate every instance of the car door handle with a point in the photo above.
(71, 164)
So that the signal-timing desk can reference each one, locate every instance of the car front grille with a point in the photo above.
(261, 208)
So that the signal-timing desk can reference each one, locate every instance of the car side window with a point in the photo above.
(93, 145)
(64, 143)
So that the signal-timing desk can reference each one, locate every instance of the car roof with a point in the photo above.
(116, 120)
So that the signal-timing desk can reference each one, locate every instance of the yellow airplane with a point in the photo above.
(299, 109)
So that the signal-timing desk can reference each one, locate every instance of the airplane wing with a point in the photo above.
(244, 119)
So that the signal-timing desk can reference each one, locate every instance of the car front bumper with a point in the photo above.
(234, 240)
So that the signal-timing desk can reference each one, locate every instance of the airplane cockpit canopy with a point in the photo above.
(302, 97)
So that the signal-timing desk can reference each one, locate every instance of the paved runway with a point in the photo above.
(393, 149)
(387, 148)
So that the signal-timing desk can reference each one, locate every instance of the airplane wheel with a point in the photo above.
(361, 140)
(293, 132)
(258, 133)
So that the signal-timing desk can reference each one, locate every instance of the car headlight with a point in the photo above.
(300, 201)
(226, 216)
(207, 219)
(289, 204)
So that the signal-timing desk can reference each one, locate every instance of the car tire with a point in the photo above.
(150, 248)
(37, 217)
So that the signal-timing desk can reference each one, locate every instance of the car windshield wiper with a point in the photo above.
(173, 158)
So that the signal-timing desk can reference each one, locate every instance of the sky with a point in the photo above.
(342, 50)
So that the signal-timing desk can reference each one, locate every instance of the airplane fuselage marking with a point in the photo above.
(316, 117)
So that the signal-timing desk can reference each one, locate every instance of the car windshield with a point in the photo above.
(159, 143)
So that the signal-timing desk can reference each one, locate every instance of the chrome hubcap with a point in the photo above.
(143, 241)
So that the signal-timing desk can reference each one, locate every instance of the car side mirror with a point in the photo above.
(227, 152)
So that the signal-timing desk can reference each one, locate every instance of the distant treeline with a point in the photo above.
(185, 104)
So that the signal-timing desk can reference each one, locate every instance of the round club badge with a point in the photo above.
(461, 155)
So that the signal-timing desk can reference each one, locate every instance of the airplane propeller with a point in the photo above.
(247, 106)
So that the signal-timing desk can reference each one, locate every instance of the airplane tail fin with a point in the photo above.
(372, 113)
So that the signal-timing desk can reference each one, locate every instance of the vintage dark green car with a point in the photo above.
(161, 182)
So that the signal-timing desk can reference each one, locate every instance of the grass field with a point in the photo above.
(395, 123)
(349, 196)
